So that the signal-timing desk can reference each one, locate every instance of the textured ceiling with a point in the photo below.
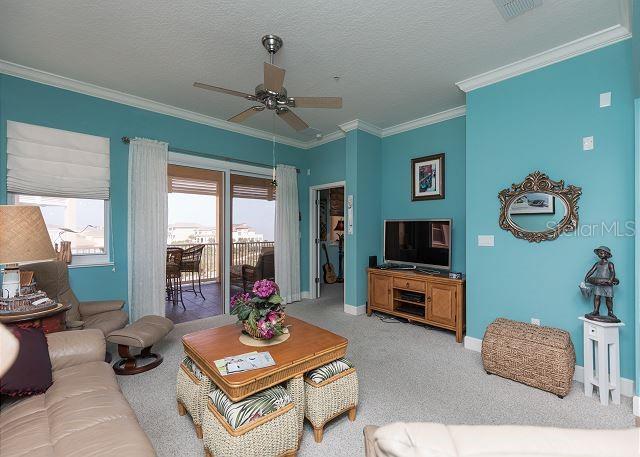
(397, 61)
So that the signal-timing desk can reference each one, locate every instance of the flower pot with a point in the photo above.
(255, 333)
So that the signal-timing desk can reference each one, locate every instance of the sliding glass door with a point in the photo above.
(253, 214)
(196, 231)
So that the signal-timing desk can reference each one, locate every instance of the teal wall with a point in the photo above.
(535, 122)
(363, 172)
(636, 75)
(398, 150)
(34, 103)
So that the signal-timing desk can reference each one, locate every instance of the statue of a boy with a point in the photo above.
(600, 280)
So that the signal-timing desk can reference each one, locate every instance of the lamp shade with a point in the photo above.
(23, 235)
(339, 226)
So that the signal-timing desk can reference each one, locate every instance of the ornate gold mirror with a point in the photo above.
(539, 208)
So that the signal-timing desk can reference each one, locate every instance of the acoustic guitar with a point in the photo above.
(330, 276)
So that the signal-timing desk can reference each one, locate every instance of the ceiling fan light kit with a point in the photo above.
(272, 95)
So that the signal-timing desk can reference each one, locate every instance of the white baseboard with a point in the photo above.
(305, 295)
(473, 344)
(636, 406)
(626, 385)
(355, 310)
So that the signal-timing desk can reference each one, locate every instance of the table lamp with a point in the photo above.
(23, 238)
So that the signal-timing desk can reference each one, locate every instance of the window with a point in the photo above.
(82, 221)
(66, 174)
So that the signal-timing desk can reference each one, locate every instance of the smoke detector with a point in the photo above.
(514, 8)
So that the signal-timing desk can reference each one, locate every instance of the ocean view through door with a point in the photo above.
(195, 243)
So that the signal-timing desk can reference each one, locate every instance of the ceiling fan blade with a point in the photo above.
(273, 77)
(294, 121)
(224, 91)
(317, 102)
(246, 114)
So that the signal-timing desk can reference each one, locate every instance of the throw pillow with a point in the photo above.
(31, 372)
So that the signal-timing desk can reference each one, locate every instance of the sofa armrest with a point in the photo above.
(369, 444)
(91, 308)
(75, 347)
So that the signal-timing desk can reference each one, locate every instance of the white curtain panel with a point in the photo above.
(287, 242)
(147, 227)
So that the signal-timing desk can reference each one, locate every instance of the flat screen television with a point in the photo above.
(423, 243)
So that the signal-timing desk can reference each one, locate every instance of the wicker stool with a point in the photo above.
(192, 389)
(330, 391)
(274, 433)
(541, 357)
(295, 387)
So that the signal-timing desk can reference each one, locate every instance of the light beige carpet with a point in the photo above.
(407, 373)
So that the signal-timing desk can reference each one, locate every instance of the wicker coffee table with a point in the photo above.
(308, 347)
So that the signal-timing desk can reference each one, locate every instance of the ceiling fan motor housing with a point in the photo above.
(272, 100)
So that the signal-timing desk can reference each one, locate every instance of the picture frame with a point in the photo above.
(427, 178)
(533, 203)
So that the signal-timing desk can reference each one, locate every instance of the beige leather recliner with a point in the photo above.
(53, 278)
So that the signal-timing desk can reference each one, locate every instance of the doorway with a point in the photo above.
(327, 241)
(195, 243)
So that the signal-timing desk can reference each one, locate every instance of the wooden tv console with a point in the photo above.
(431, 299)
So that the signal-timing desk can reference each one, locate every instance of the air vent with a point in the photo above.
(514, 8)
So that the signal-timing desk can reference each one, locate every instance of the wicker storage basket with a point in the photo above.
(541, 357)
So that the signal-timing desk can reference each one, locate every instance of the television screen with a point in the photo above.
(421, 242)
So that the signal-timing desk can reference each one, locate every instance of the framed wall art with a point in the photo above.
(427, 181)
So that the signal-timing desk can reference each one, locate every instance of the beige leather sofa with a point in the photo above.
(438, 440)
(82, 414)
(53, 279)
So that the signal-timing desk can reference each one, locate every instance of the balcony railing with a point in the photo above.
(241, 254)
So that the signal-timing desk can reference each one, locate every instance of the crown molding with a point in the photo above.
(566, 51)
(62, 82)
(424, 121)
(359, 124)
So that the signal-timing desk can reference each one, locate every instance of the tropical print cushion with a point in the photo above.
(329, 370)
(251, 408)
(193, 368)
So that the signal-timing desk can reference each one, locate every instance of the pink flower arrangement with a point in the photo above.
(265, 288)
(260, 312)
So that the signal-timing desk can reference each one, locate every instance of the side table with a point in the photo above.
(50, 320)
(602, 359)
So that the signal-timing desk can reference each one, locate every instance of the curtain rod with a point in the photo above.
(127, 140)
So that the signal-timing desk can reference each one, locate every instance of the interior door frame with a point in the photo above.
(227, 168)
(314, 249)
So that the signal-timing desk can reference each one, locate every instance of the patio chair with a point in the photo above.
(191, 264)
(263, 269)
(174, 275)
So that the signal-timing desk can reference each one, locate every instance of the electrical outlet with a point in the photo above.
(535, 321)
(587, 143)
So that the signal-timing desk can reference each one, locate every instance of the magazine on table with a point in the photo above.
(244, 362)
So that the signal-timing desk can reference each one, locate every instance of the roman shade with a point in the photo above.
(188, 180)
(252, 187)
(56, 163)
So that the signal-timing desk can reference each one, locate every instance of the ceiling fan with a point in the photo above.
(272, 95)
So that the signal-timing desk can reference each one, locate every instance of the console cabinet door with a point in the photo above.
(441, 303)
(380, 291)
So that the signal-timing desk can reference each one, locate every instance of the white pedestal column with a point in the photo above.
(602, 359)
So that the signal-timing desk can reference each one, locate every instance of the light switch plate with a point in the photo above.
(605, 99)
(485, 240)
(587, 143)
